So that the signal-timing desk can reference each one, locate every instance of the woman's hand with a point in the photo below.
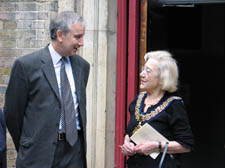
(128, 148)
(147, 147)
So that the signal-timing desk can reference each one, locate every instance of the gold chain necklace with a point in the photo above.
(147, 116)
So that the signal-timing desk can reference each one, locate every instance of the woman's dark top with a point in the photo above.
(172, 123)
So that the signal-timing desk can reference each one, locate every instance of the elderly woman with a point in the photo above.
(159, 107)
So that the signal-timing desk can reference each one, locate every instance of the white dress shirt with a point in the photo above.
(56, 59)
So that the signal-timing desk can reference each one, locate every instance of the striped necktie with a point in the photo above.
(68, 108)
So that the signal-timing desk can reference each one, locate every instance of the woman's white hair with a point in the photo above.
(167, 69)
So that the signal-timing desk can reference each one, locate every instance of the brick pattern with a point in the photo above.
(23, 29)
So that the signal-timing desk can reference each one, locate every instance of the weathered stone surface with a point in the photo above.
(9, 25)
(4, 76)
(7, 6)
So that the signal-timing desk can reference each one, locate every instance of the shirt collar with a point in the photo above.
(55, 56)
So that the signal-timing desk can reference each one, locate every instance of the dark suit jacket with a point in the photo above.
(2, 141)
(32, 106)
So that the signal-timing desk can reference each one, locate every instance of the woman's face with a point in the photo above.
(149, 76)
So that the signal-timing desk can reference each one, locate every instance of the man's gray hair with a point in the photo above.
(63, 21)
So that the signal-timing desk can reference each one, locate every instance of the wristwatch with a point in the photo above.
(159, 146)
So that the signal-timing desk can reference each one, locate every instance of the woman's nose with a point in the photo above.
(141, 74)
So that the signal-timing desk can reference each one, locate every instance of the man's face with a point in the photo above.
(71, 41)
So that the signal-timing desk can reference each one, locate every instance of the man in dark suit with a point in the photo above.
(45, 102)
(2, 141)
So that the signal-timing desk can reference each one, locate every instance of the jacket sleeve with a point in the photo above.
(15, 101)
(2, 134)
(87, 69)
(180, 125)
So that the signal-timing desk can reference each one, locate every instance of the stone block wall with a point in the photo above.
(23, 29)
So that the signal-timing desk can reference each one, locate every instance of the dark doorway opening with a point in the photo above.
(195, 35)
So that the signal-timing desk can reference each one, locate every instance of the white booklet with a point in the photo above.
(148, 133)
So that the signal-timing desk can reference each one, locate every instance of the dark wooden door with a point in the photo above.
(195, 35)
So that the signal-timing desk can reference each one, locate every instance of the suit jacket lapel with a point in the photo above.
(76, 68)
(49, 71)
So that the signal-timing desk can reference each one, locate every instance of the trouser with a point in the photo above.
(70, 157)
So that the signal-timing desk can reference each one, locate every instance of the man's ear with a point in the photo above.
(59, 34)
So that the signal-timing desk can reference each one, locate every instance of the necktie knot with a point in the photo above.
(64, 60)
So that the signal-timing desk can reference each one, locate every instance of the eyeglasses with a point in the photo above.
(146, 70)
